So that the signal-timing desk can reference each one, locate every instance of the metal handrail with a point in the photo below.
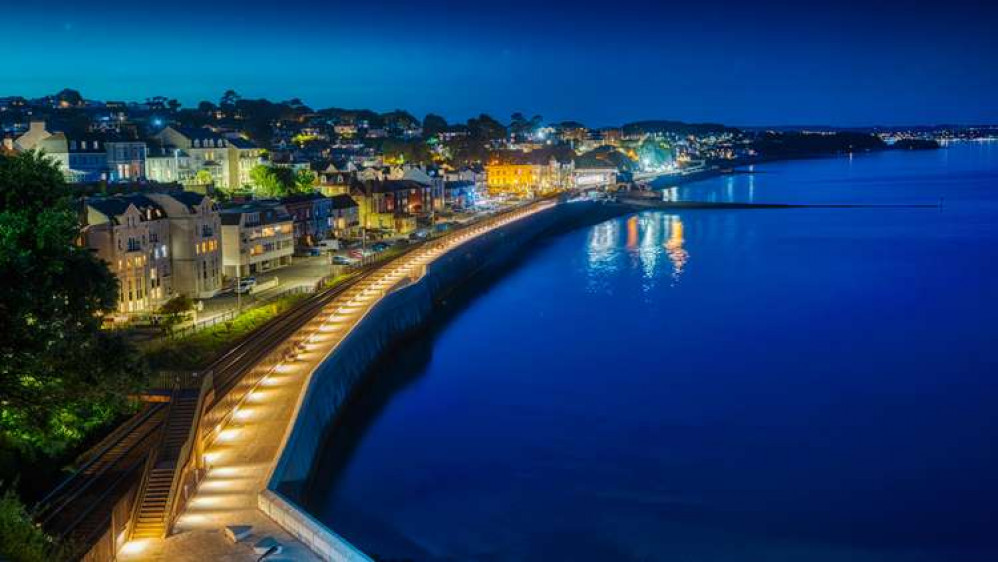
(186, 452)
(151, 461)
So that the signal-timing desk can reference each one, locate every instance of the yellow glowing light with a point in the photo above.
(192, 519)
(228, 435)
(134, 547)
(206, 501)
(224, 471)
(242, 414)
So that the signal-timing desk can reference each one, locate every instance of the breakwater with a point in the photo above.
(644, 203)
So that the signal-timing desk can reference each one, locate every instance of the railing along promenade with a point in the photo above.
(215, 485)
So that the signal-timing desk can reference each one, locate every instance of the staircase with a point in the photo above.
(151, 517)
(150, 522)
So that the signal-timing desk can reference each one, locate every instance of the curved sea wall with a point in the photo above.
(394, 316)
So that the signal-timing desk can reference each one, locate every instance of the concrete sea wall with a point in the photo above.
(394, 316)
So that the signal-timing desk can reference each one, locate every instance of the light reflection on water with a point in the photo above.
(654, 243)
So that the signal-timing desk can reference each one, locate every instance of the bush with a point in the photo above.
(20, 539)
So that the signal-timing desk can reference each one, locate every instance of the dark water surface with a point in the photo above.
(814, 384)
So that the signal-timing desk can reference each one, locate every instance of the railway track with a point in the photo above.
(79, 509)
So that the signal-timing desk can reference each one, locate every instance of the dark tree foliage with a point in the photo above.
(433, 124)
(465, 151)
(69, 97)
(916, 144)
(520, 127)
(410, 151)
(257, 117)
(356, 116)
(207, 107)
(399, 120)
(485, 128)
(806, 144)
(60, 374)
(477, 145)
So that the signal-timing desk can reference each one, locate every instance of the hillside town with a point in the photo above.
(198, 202)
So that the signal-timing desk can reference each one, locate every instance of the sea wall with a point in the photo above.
(393, 317)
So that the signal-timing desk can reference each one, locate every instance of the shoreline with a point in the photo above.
(732, 168)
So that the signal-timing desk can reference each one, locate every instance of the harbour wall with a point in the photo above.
(396, 315)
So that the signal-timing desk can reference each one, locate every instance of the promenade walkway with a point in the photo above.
(247, 448)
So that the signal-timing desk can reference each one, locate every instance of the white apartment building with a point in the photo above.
(256, 237)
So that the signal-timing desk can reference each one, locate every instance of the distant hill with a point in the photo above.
(677, 127)
(806, 144)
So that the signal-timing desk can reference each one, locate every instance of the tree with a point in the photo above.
(20, 539)
(229, 99)
(304, 180)
(433, 125)
(269, 181)
(401, 151)
(69, 98)
(518, 125)
(174, 309)
(60, 374)
(207, 107)
(485, 128)
(204, 177)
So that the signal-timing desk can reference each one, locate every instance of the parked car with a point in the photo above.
(420, 234)
(246, 285)
(340, 259)
(380, 246)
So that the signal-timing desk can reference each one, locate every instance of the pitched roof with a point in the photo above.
(343, 202)
(390, 186)
(115, 206)
(239, 142)
(299, 197)
(270, 211)
(199, 133)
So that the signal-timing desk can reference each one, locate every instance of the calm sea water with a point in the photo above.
(736, 385)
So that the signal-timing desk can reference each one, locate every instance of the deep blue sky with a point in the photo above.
(738, 62)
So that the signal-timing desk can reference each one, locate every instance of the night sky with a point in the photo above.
(737, 62)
